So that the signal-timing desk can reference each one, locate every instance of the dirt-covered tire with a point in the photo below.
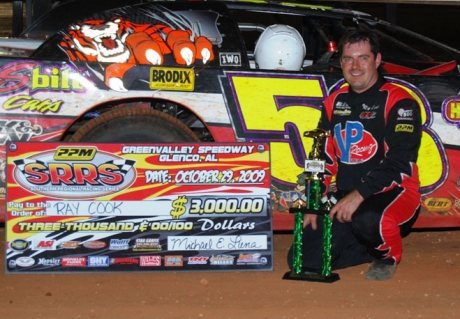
(131, 125)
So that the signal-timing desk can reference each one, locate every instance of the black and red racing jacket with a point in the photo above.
(374, 141)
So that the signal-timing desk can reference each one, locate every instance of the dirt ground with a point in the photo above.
(426, 285)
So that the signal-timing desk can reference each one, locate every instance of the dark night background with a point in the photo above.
(439, 22)
(436, 21)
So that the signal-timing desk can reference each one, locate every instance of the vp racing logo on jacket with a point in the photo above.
(74, 173)
(354, 145)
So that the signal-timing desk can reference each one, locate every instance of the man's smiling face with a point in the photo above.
(359, 65)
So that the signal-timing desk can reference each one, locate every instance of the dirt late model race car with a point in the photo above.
(208, 71)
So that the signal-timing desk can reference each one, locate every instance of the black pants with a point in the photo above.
(355, 242)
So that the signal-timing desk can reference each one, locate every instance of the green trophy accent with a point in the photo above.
(297, 246)
(327, 244)
(314, 166)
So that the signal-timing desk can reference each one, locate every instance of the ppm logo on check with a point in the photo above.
(75, 153)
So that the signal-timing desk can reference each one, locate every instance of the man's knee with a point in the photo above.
(366, 229)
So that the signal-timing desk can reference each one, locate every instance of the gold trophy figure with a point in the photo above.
(314, 167)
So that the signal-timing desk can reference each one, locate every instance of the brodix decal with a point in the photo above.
(47, 174)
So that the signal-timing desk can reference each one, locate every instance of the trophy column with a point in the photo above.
(314, 166)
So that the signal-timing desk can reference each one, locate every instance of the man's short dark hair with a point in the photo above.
(360, 35)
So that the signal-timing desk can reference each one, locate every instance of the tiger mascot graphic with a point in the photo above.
(123, 44)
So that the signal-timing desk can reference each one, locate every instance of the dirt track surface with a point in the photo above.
(426, 285)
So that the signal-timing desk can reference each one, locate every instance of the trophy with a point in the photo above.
(314, 166)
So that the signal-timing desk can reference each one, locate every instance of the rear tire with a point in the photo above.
(134, 125)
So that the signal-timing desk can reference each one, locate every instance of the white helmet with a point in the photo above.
(280, 47)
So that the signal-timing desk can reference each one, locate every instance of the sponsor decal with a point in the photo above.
(34, 77)
(251, 259)
(342, 109)
(221, 260)
(68, 245)
(119, 244)
(342, 112)
(12, 263)
(174, 79)
(354, 144)
(25, 261)
(147, 244)
(370, 108)
(230, 59)
(98, 261)
(106, 174)
(18, 131)
(198, 260)
(56, 79)
(45, 245)
(343, 105)
(451, 110)
(28, 104)
(456, 204)
(19, 244)
(150, 261)
(404, 128)
(49, 261)
(73, 261)
(124, 261)
(75, 153)
(95, 244)
(367, 115)
(405, 114)
(434, 204)
(174, 261)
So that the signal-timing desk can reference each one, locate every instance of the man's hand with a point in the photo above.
(346, 207)
(310, 219)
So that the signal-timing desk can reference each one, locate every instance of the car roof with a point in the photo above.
(65, 13)
(52, 25)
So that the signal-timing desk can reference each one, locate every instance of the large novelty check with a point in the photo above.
(150, 207)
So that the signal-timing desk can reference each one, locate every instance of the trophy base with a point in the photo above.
(311, 276)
